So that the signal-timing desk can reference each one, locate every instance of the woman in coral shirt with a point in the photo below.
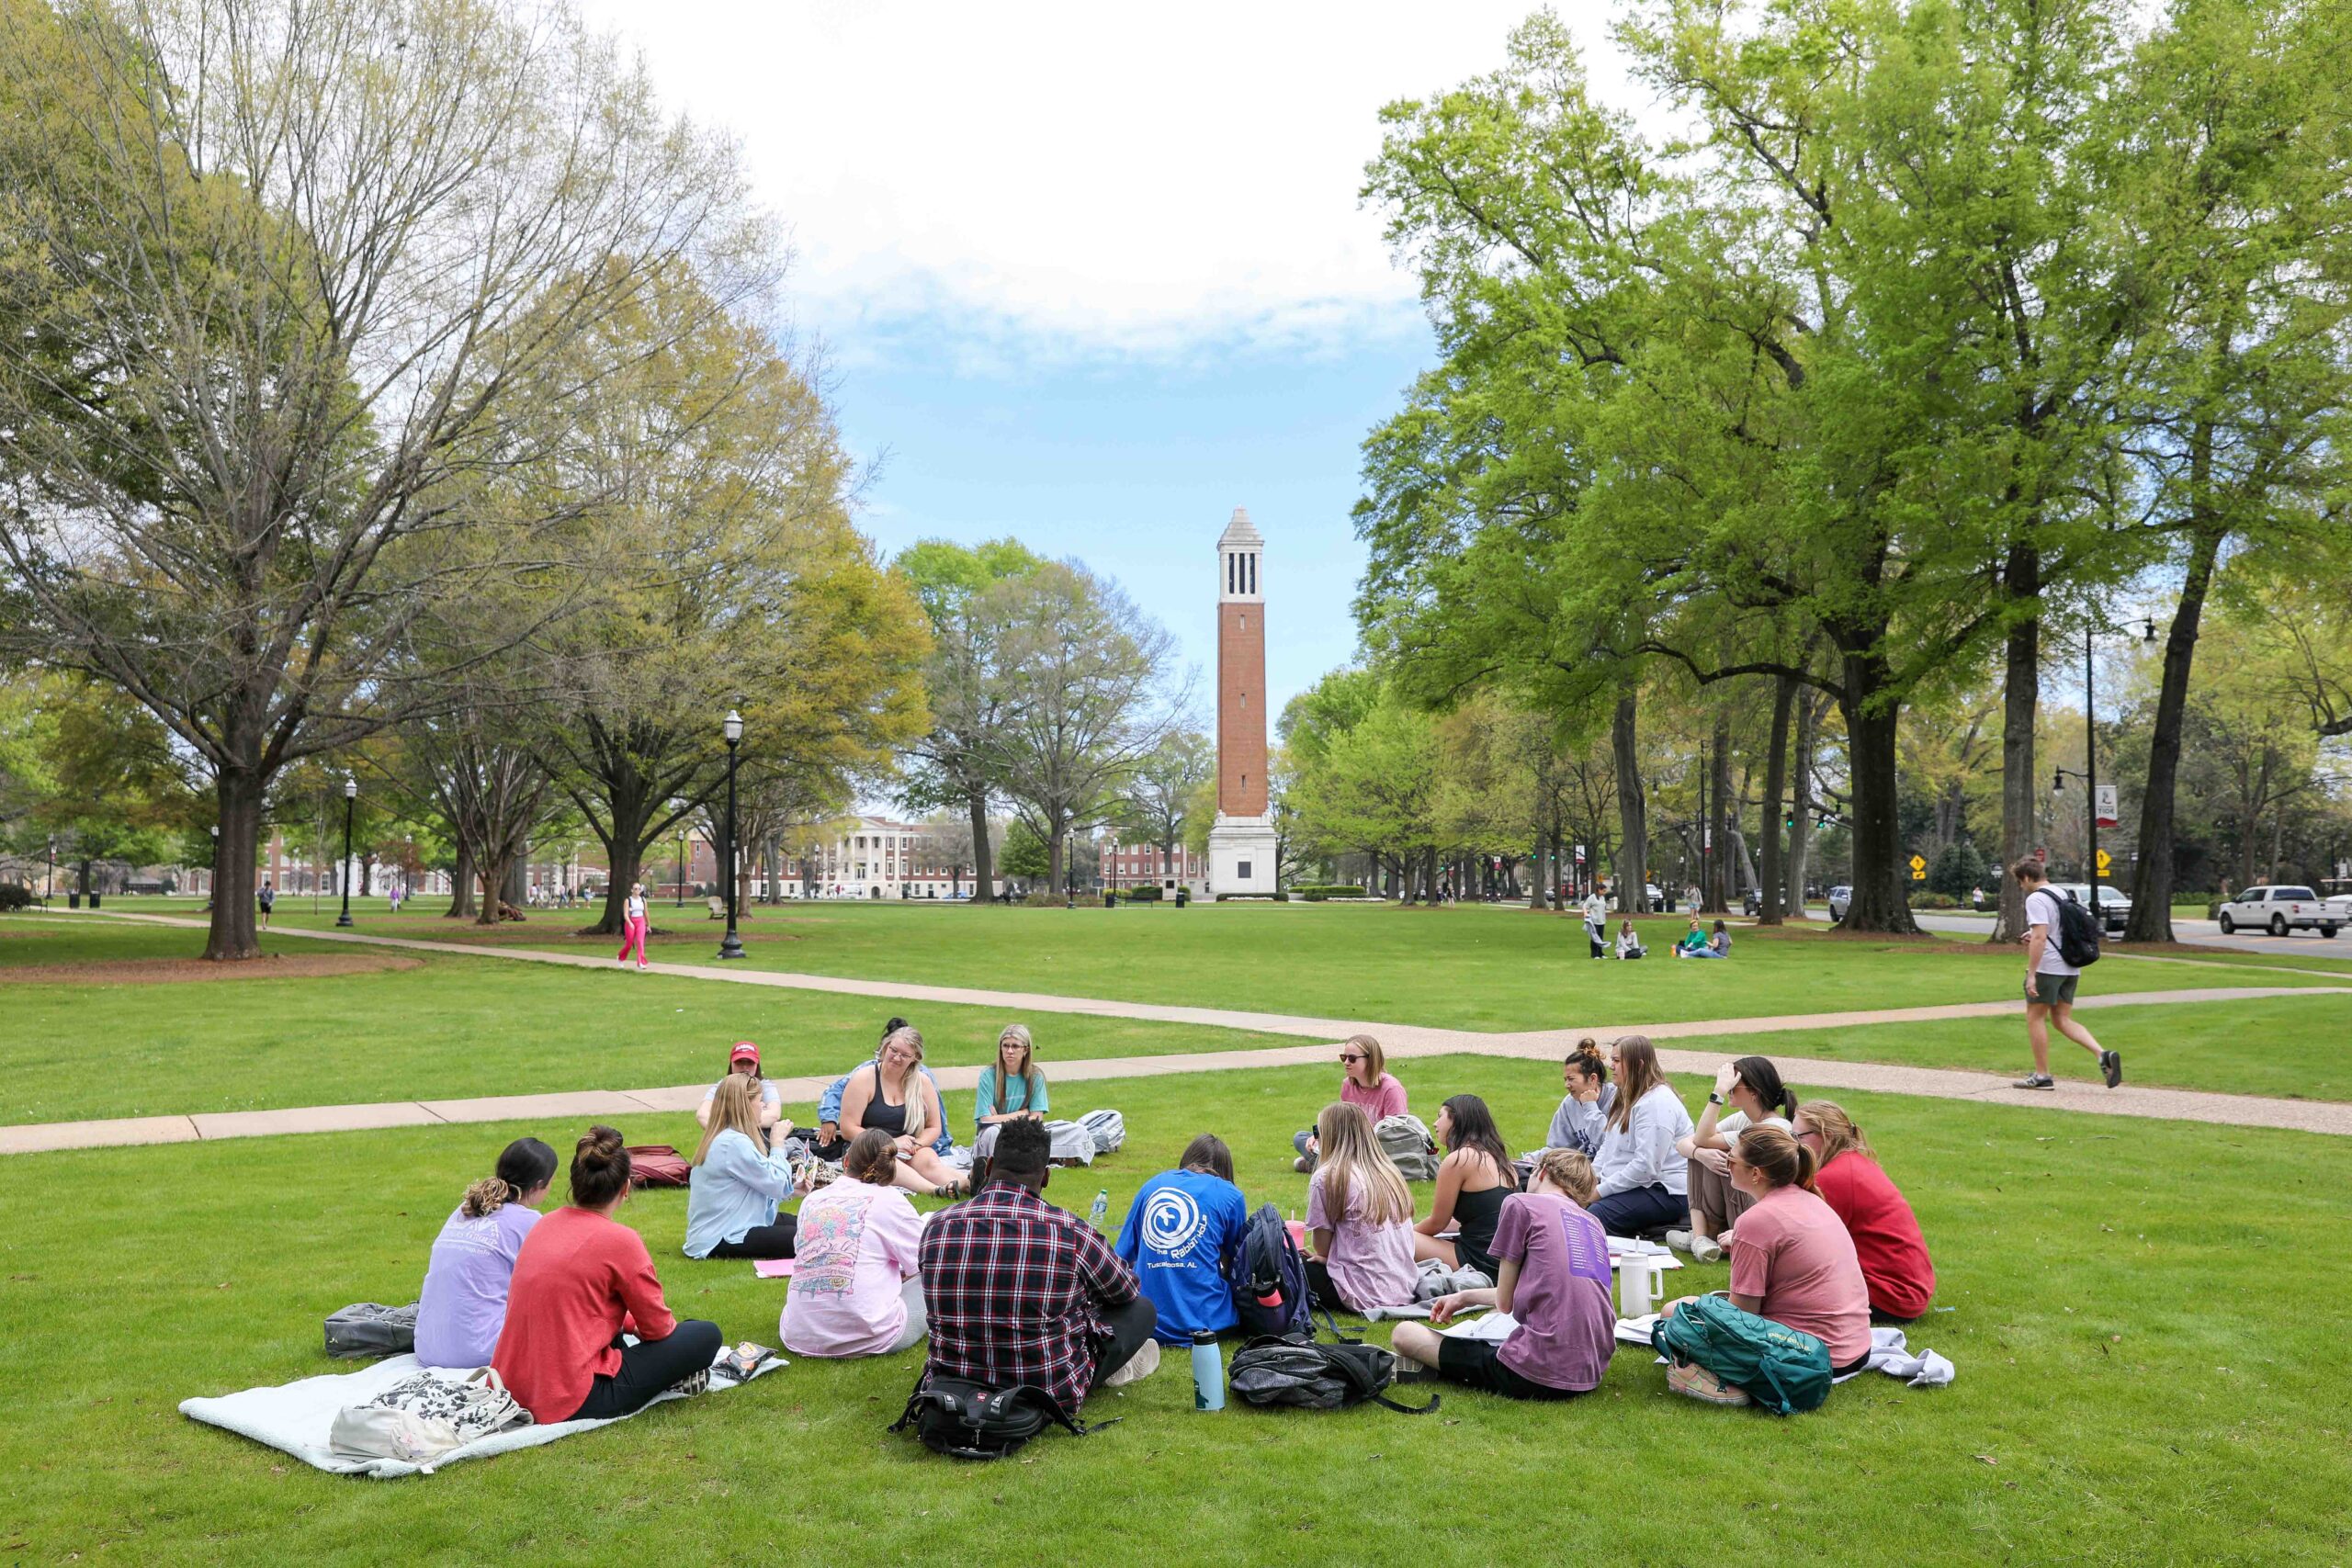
(1893, 1254)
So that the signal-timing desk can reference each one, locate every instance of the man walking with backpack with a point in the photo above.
(2055, 956)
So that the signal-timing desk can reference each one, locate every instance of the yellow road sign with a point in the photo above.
(1918, 866)
(1919, 876)
(2105, 861)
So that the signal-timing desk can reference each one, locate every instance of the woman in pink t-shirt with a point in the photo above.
(856, 1286)
(1365, 1084)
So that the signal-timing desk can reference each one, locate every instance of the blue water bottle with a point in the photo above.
(1208, 1373)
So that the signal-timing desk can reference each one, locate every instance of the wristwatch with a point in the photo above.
(1714, 1100)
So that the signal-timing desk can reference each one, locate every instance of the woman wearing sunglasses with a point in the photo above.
(1364, 1083)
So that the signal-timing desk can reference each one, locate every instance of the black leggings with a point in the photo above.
(649, 1366)
(1320, 1292)
(762, 1241)
(1129, 1327)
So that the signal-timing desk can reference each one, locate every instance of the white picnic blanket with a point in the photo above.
(295, 1417)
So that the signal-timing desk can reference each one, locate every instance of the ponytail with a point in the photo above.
(600, 1169)
(487, 1196)
(524, 1166)
(1779, 1159)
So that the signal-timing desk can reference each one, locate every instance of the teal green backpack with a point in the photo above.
(1782, 1368)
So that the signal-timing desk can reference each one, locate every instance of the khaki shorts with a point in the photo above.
(2053, 990)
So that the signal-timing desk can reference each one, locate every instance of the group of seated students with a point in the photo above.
(1010, 1289)
(1698, 943)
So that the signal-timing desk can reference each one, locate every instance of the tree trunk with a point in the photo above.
(1801, 804)
(1535, 875)
(1633, 812)
(1717, 892)
(492, 874)
(1776, 770)
(983, 872)
(624, 852)
(1055, 850)
(231, 936)
(2021, 695)
(514, 889)
(461, 884)
(2151, 917)
(1872, 718)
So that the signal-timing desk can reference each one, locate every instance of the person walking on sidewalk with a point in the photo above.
(2049, 983)
(633, 924)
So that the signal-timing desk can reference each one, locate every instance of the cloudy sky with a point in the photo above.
(1093, 276)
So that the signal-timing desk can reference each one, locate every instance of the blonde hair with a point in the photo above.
(909, 1083)
(1019, 1034)
(1568, 1170)
(1838, 1134)
(1779, 1159)
(488, 1195)
(734, 1106)
(1351, 1158)
(1375, 1060)
(1637, 1074)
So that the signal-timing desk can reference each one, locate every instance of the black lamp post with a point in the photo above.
(2089, 775)
(732, 945)
(49, 888)
(350, 795)
(681, 870)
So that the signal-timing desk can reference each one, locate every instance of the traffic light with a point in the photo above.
(1788, 819)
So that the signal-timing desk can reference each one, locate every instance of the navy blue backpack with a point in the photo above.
(1270, 1295)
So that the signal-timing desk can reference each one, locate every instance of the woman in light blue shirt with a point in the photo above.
(736, 1184)
(1011, 1088)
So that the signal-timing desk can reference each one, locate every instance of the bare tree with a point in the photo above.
(1094, 697)
(302, 269)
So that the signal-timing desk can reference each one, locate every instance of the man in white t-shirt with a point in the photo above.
(1596, 922)
(2049, 983)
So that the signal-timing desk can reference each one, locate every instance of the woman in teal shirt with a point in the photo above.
(1012, 1088)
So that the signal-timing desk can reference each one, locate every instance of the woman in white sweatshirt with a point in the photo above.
(1643, 1183)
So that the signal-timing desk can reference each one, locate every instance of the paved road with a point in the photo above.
(2194, 933)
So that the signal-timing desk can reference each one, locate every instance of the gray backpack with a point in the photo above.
(1406, 1142)
(1110, 1130)
(370, 1328)
(1295, 1371)
(1072, 1144)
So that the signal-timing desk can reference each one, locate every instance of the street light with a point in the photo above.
(49, 888)
(682, 868)
(731, 946)
(350, 795)
(2089, 775)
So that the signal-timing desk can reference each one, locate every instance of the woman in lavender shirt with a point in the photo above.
(464, 1301)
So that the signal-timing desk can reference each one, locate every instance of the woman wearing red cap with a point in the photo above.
(745, 1059)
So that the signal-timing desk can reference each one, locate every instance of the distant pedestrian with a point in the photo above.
(1596, 922)
(1976, 899)
(2049, 983)
(633, 924)
(267, 899)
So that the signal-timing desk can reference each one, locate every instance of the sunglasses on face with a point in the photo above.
(1352, 1061)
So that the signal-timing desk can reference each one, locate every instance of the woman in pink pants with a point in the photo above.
(633, 924)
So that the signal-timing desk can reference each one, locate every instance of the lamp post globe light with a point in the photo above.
(350, 795)
(731, 946)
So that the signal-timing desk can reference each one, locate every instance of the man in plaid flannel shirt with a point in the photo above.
(1020, 1291)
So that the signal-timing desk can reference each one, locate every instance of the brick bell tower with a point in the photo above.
(1241, 843)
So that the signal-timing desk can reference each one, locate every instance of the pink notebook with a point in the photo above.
(773, 1268)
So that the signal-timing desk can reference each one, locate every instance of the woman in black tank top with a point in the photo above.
(1477, 1176)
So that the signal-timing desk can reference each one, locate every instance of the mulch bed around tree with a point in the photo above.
(172, 971)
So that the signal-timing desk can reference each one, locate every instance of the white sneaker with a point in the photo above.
(1142, 1364)
(1705, 1248)
(1678, 1240)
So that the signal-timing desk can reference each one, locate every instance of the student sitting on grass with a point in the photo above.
(1010, 1086)
(1359, 1217)
(582, 1280)
(743, 1060)
(464, 1301)
(857, 1288)
(1643, 1183)
(1790, 1261)
(1583, 1115)
(1183, 1237)
(1553, 1280)
(1020, 1291)
(1629, 942)
(1364, 1082)
(1751, 1086)
(895, 1094)
(1715, 946)
(1893, 1253)
(736, 1184)
(831, 1145)
(1473, 1181)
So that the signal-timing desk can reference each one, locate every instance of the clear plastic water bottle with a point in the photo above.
(1101, 1212)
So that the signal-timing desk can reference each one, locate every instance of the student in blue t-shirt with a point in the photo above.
(1011, 1087)
(1183, 1237)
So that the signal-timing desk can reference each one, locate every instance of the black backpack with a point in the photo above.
(970, 1420)
(1271, 1297)
(2077, 933)
(1276, 1369)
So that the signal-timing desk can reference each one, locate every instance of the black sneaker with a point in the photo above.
(692, 1384)
(2036, 1080)
(2110, 1066)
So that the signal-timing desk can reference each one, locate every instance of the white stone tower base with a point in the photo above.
(1242, 855)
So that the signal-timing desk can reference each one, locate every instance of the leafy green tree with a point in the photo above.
(1025, 855)
(1160, 796)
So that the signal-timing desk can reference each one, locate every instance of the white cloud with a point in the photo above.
(1039, 181)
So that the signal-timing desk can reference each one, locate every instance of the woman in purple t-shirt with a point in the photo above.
(463, 1305)
(1365, 1082)
(1554, 1281)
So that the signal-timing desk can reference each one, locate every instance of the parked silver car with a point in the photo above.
(1840, 897)
(2114, 908)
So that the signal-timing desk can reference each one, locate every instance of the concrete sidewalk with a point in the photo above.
(1401, 1041)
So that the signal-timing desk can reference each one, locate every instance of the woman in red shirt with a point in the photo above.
(1893, 1254)
(580, 1281)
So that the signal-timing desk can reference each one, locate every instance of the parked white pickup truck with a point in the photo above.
(2279, 910)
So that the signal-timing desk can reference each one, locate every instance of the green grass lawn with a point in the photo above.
(2272, 1045)
(2124, 1397)
(1471, 968)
